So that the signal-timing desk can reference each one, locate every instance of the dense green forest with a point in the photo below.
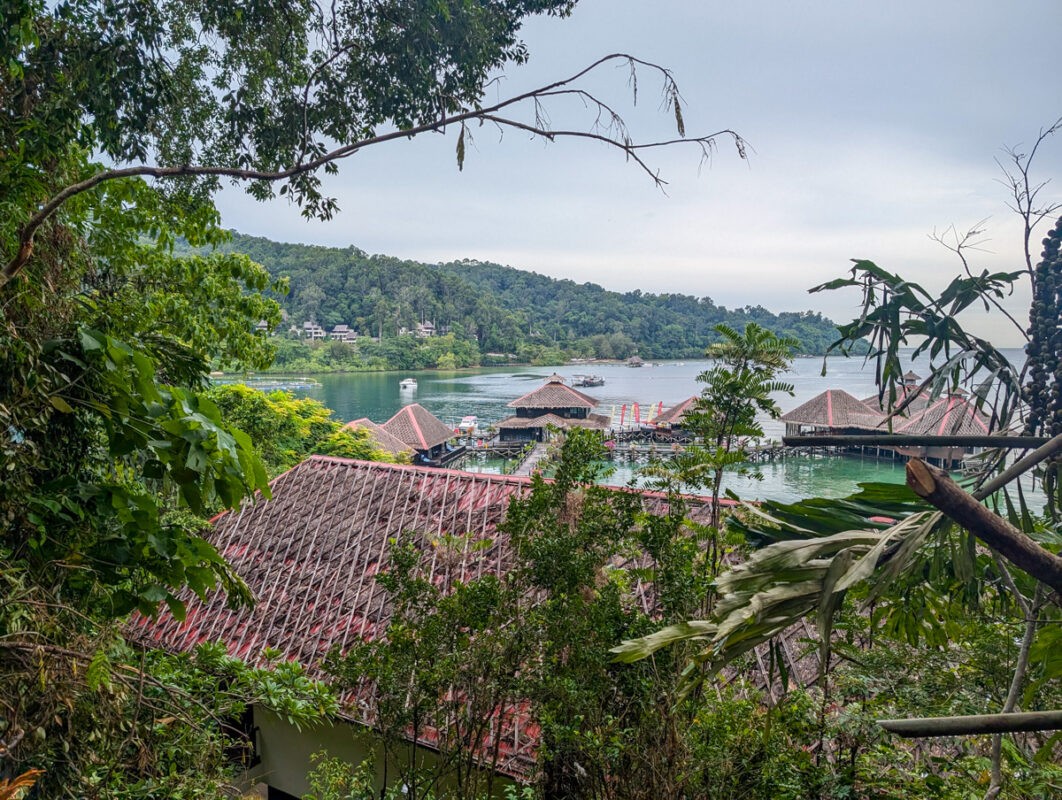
(505, 310)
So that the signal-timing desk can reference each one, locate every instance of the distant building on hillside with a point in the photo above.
(311, 330)
(343, 333)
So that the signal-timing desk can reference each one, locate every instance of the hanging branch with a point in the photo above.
(614, 135)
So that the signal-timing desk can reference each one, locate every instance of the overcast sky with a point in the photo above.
(872, 125)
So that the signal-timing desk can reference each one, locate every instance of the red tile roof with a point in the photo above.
(418, 427)
(555, 394)
(310, 556)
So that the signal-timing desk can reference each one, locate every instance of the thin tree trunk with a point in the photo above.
(1016, 683)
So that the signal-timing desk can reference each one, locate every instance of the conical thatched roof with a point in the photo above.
(834, 408)
(555, 394)
(418, 427)
(952, 415)
(387, 442)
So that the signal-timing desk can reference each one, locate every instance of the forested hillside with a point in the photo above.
(503, 309)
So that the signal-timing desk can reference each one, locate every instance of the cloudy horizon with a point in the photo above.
(871, 128)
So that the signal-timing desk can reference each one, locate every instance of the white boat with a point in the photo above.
(468, 424)
(408, 384)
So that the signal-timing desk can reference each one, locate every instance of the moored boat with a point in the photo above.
(408, 384)
(587, 380)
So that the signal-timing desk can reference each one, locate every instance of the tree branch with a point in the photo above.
(486, 113)
(937, 487)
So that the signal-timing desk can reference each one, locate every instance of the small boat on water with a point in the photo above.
(408, 384)
(468, 424)
(587, 380)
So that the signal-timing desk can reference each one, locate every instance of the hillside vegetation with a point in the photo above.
(505, 310)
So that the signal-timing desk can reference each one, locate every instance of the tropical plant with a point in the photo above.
(737, 391)
(924, 559)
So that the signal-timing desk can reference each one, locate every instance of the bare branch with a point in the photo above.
(615, 136)
(1024, 193)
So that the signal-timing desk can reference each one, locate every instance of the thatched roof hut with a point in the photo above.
(386, 441)
(554, 394)
(832, 410)
(419, 428)
(673, 417)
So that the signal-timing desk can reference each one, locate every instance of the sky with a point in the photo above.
(871, 127)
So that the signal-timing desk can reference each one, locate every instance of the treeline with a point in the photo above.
(505, 310)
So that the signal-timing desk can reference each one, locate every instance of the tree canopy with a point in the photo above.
(500, 309)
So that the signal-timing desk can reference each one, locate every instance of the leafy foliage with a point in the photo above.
(897, 312)
(286, 429)
(725, 418)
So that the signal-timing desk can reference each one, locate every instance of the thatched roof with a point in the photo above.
(555, 394)
(387, 442)
(950, 415)
(418, 427)
(674, 415)
(835, 409)
(310, 556)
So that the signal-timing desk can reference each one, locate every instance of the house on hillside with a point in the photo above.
(552, 404)
(343, 333)
(426, 434)
(310, 556)
(313, 331)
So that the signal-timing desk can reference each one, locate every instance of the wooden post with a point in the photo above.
(975, 724)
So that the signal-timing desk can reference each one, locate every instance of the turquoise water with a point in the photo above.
(486, 392)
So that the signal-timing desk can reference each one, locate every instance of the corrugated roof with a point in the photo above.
(555, 394)
(418, 427)
(387, 442)
(310, 556)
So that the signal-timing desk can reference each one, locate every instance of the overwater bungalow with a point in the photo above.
(553, 404)
(428, 435)
(385, 441)
(835, 411)
(673, 417)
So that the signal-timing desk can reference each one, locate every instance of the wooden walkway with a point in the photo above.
(527, 466)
